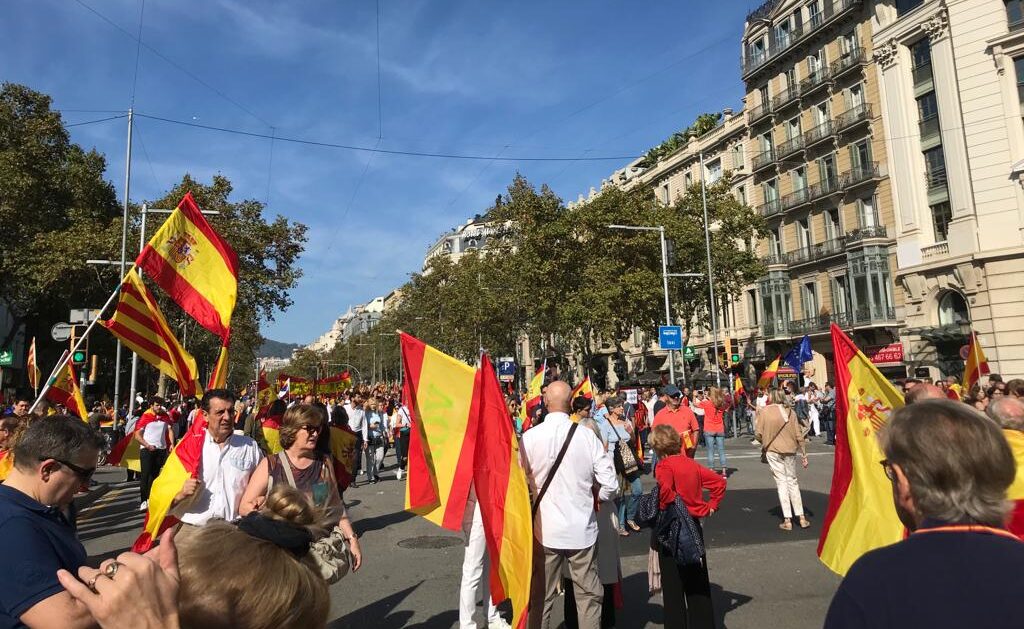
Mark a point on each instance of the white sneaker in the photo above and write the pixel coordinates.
(498, 624)
(398, 474)
(144, 506)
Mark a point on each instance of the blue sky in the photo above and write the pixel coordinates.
(516, 79)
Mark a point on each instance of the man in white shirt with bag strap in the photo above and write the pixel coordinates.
(564, 466)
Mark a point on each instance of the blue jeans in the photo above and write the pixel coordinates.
(627, 503)
(715, 440)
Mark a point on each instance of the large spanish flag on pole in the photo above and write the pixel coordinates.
(976, 364)
(503, 496)
(861, 516)
(195, 266)
(63, 389)
(182, 464)
(438, 391)
(583, 389)
(140, 325)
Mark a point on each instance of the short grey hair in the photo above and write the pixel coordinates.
(54, 437)
(956, 460)
(1008, 412)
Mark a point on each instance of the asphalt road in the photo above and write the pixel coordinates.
(761, 576)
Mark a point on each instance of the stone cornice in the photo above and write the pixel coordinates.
(887, 54)
(937, 26)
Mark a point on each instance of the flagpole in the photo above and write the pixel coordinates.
(124, 253)
(35, 366)
(135, 357)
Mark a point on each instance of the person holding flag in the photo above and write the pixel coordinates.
(154, 434)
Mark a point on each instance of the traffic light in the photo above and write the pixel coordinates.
(78, 356)
(732, 352)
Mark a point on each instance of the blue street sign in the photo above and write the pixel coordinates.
(506, 369)
(670, 336)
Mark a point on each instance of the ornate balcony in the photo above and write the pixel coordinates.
(762, 160)
(786, 97)
(861, 317)
(776, 328)
(853, 59)
(820, 251)
(771, 208)
(937, 250)
(775, 259)
(853, 116)
(791, 146)
(866, 233)
(820, 133)
(818, 78)
(873, 315)
(825, 187)
(860, 174)
(794, 199)
(759, 111)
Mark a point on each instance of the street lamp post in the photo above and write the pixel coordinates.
(711, 283)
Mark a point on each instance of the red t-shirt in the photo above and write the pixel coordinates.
(714, 418)
(683, 420)
(681, 475)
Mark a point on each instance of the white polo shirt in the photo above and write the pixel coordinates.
(226, 469)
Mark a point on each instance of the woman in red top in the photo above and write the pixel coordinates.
(686, 590)
(714, 426)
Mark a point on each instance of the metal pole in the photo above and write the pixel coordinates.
(668, 313)
(711, 282)
(135, 357)
(732, 394)
(124, 252)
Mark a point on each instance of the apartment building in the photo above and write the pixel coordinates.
(952, 84)
(820, 175)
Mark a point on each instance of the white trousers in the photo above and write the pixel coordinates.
(813, 415)
(784, 470)
(475, 575)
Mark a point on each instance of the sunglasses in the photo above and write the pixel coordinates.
(85, 473)
(311, 429)
(888, 469)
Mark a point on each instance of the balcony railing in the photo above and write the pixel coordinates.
(814, 80)
(935, 251)
(864, 315)
(936, 179)
(852, 59)
(763, 159)
(821, 132)
(791, 146)
(779, 45)
(778, 327)
(864, 233)
(760, 111)
(922, 73)
(775, 259)
(770, 208)
(860, 173)
(825, 187)
(785, 97)
(795, 198)
(819, 251)
(929, 126)
(852, 116)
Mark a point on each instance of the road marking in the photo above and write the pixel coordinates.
(99, 504)
(758, 455)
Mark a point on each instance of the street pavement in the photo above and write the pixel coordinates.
(761, 576)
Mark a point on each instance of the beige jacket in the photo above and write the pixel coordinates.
(772, 419)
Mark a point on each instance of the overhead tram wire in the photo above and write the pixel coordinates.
(138, 54)
(87, 122)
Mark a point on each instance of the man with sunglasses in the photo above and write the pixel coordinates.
(54, 457)
(679, 417)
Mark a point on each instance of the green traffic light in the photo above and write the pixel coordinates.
(78, 357)
(735, 358)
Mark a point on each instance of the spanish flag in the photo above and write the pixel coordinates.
(343, 451)
(126, 453)
(219, 375)
(265, 394)
(533, 395)
(6, 463)
(1015, 494)
(32, 366)
(861, 516)
(503, 496)
(195, 266)
(271, 427)
(583, 389)
(439, 394)
(140, 325)
(182, 464)
(976, 364)
(738, 388)
(769, 374)
(63, 389)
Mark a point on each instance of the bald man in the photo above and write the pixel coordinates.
(923, 391)
(565, 524)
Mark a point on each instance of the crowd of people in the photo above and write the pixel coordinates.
(951, 458)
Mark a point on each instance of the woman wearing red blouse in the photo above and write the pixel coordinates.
(714, 426)
(686, 590)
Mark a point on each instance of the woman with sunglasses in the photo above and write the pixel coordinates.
(303, 467)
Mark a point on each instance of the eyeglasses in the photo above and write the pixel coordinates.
(85, 473)
(888, 469)
(311, 429)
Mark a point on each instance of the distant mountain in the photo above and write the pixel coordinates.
(277, 349)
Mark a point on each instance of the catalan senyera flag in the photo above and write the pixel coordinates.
(63, 389)
(140, 325)
(503, 496)
(182, 464)
(861, 516)
(582, 388)
(1015, 493)
(343, 451)
(769, 373)
(976, 364)
(438, 391)
(32, 366)
(195, 266)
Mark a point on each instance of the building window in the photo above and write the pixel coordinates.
(776, 302)
(935, 167)
(840, 295)
(942, 214)
(906, 6)
(1018, 66)
(855, 96)
(793, 128)
(866, 213)
(687, 180)
(848, 43)
(763, 91)
(921, 58)
(775, 241)
(1014, 14)
(860, 156)
(741, 195)
(766, 141)
(827, 169)
(714, 171)
(871, 297)
(737, 156)
(832, 227)
(798, 177)
(803, 233)
(815, 16)
(953, 309)
(821, 115)
(771, 191)
(809, 299)
(663, 193)
(791, 79)
(752, 314)
(816, 62)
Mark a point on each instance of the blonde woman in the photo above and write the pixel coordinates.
(780, 432)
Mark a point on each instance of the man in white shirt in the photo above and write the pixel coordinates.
(228, 462)
(357, 423)
(152, 432)
(565, 524)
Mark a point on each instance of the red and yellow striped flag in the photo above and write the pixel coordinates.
(182, 464)
(140, 325)
(63, 389)
(32, 366)
(271, 427)
(219, 375)
(438, 390)
(582, 388)
(265, 394)
(126, 453)
(861, 515)
(195, 266)
(533, 396)
(738, 388)
(769, 373)
(976, 364)
(503, 496)
(1015, 494)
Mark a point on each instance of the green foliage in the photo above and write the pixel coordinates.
(704, 123)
